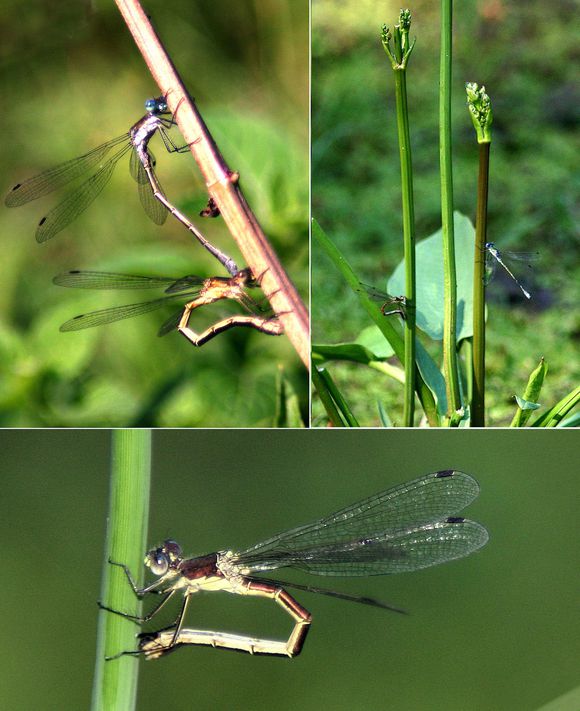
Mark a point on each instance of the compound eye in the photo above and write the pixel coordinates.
(172, 548)
(157, 561)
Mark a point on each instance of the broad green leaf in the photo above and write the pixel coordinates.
(430, 280)
(373, 340)
(341, 351)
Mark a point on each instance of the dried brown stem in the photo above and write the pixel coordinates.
(222, 184)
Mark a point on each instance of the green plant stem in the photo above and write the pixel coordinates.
(478, 397)
(409, 242)
(450, 279)
(115, 682)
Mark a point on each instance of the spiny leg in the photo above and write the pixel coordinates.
(170, 634)
(139, 593)
(153, 645)
(137, 618)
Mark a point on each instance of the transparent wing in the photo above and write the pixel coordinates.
(185, 283)
(528, 257)
(136, 167)
(60, 175)
(373, 292)
(490, 267)
(395, 303)
(78, 200)
(386, 516)
(153, 208)
(171, 323)
(110, 280)
(396, 551)
(116, 313)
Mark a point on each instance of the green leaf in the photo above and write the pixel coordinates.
(287, 404)
(341, 351)
(338, 410)
(273, 172)
(555, 415)
(573, 421)
(430, 280)
(570, 701)
(526, 405)
(383, 415)
(372, 339)
(433, 378)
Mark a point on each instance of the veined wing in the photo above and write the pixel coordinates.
(186, 283)
(77, 279)
(528, 257)
(395, 551)
(154, 209)
(54, 178)
(415, 504)
(116, 313)
(77, 200)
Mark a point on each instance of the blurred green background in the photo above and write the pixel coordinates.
(525, 54)
(72, 79)
(497, 631)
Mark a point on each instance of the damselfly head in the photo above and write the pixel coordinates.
(160, 560)
(157, 105)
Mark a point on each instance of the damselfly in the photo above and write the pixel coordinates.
(192, 289)
(405, 528)
(493, 257)
(136, 141)
(391, 304)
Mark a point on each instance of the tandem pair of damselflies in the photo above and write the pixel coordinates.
(192, 289)
(136, 141)
(405, 528)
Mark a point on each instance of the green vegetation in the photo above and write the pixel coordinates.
(115, 685)
(531, 193)
(74, 81)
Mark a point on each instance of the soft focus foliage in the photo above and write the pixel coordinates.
(73, 79)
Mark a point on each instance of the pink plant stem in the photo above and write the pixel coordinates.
(221, 183)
